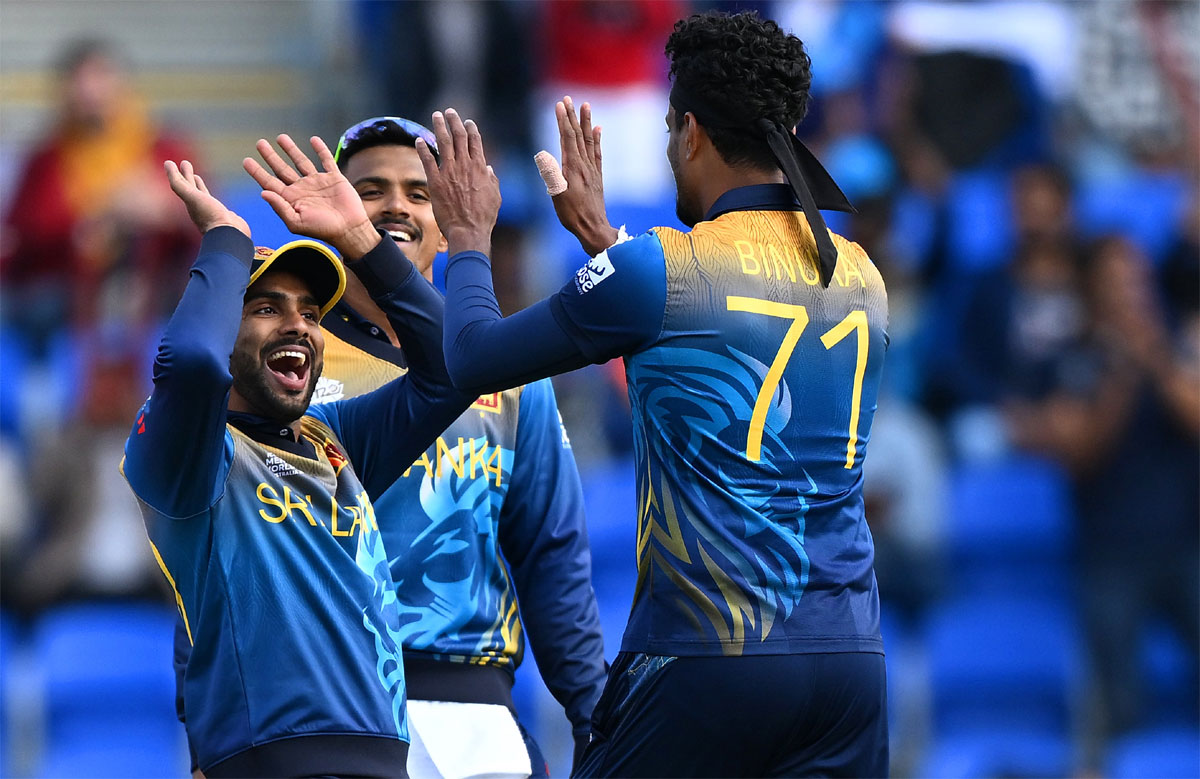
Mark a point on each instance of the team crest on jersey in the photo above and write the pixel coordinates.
(336, 458)
(597, 270)
(488, 403)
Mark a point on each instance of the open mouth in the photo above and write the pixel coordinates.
(289, 366)
(400, 232)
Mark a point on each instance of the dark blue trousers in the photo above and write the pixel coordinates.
(758, 715)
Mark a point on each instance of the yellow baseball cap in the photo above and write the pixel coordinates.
(312, 261)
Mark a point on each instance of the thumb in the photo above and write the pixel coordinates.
(551, 173)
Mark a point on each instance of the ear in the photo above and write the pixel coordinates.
(692, 133)
(443, 244)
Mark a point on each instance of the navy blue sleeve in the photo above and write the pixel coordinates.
(613, 306)
(543, 534)
(385, 430)
(176, 457)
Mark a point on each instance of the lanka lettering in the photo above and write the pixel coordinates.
(469, 457)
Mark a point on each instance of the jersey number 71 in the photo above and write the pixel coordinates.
(854, 322)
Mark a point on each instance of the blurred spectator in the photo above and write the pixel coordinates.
(93, 240)
(1125, 421)
(610, 54)
(1041, 195)
(473, 56)
(95, 252)
(1139, 81)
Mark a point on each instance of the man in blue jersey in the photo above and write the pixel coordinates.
(259, 522)
(498, 492)
(753, 345)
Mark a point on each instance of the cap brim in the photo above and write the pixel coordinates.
(313, 262)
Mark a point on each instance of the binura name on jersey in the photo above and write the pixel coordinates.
(340, 521)
(785, 262)
(597, 270)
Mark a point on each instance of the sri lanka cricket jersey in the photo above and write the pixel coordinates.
(752, 390)
(491, 511)
(271, 545)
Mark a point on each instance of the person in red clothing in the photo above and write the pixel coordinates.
(93, 249)
(612, 51)
(93, 236)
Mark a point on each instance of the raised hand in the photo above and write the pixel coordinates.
(464, 190)
(320, 203)
(580, 206)
(204, 209)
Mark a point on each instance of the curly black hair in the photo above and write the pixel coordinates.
(748, 66)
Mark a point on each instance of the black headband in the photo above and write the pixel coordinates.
(812, 184)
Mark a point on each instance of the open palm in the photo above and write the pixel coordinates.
(318, 203)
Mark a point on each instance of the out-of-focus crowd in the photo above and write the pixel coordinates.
(1026, 179)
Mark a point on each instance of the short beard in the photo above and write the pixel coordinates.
(250, 381)
(684, 211)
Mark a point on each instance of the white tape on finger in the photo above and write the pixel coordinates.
(551, 174)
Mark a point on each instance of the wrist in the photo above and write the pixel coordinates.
(468, 239)
(595, 237)
(357, 241)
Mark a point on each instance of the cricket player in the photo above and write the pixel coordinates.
(753, 346)
(485, 533)
(260, 524)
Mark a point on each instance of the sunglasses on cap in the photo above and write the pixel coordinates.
(382, 124)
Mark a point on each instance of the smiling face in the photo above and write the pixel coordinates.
(392, 184)
(278, 355)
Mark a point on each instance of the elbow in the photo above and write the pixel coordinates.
(466, 377)
(467, 363)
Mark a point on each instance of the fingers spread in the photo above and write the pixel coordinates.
(303, 164)
(275, 162)
(323, 153)
(261, 176)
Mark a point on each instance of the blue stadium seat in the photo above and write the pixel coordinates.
(1003, 663)
(109, 686)
(1010, 526)
(8, 646)
(1145, 206)
(1171, 681)
(1008, 754)
(1160, 753)
(980, 229)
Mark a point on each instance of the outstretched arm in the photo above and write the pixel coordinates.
(175, 457)
(591, 320)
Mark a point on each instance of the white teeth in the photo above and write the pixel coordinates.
(399, 235)
(289, 353)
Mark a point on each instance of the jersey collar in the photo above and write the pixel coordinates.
(756, 197)
(269, 432)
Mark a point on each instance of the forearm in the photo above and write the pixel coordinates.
(413, 307)
(486, 352)
(191, 383)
